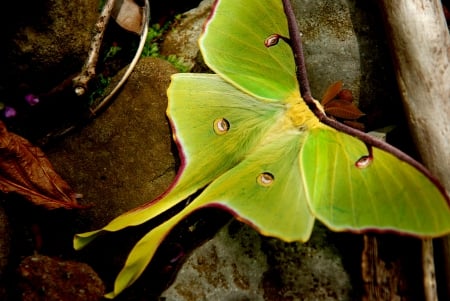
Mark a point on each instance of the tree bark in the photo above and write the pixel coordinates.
(421, 51)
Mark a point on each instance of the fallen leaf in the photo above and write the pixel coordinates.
(128, 15)
(343, 109)
(345, 94)
(338, 103)
(331, 93)
(355, 124)
(25, 170)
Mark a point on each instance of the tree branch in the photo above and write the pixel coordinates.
(420, 47)
(80, 83)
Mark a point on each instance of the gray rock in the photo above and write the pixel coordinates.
(52, 279)
(307, 271)
(330, 44)
(228, 267)
(343, 40)
(240, 264)
(47, 35)
(182, 39)
(123, 158)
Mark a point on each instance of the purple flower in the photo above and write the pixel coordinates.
(31, 99)
(9, 112)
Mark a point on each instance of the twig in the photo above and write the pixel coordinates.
(297, 49)
(130, 68)
(80, 83)
(420, 42)
(429, 274)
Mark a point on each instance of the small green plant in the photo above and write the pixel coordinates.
(155, 33)
(154, 38)
(99, 89)
(178, 62)
(101, 3)
(112, 52)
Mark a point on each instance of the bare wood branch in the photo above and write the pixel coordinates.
(80, 82)
(429, 274)
(421, 51)
(144, 22)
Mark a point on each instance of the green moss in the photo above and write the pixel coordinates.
(155, 36)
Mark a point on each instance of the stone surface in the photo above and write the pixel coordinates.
(123, 158)
(240, 264)
(228, 267)
(330, 44)
(182, 39)
(343, 40)
(51, 279)
(43, 36)
(308, 271)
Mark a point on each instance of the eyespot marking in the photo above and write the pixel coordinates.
(221, 126)
(271, 40)
(363, 162)
(265, 179)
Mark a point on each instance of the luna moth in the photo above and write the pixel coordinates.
(254, 142)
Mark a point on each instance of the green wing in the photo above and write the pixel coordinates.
(232, 45)
(262, 191)
(265, 190)
(235, 136)
(209, 149)
(197, 103)
(387, 195)
(142, 253)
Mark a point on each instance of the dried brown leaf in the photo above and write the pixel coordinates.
(355, 124)
(331, 93)
(128, 15)
(25, 170)
(345, 94)
(343, 109)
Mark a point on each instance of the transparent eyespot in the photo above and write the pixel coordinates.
(221, 126)
(271, 40)
(364, 161)
(265, 179)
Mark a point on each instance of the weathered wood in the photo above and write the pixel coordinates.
(80, 82)
(421, 50)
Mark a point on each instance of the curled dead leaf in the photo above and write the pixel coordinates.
(345, 94)
(331, 93)
(338, 103)
(25, 170)
(128, 15)
(343, 109)
(355, 124)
